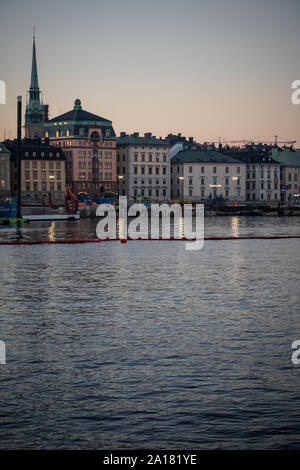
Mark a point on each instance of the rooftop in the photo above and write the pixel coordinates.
(136, 139)
(287, 157)
(78, 114)
(202, 156)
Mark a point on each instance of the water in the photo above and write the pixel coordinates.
(146, 345)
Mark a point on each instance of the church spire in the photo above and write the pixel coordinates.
(34, 115)
(34, 83)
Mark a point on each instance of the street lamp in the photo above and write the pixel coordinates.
(120, 177)
(181, 178)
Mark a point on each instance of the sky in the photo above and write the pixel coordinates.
(206, 68)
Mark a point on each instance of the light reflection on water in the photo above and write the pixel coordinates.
(146, 345)
(214, 226)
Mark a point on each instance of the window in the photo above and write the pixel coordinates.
(227, 180)
(202, 181)
(164, 157)
(150, 170)
(58, 175)
(51, 186)
(27, 175)
(164, 170)
(190, 169)
(238, 169)
(143, 157)
(26, 163)
(34, 175)
(142, 170)
(58, 186)
(135, 157)
(34, 164)
(43, 175)
(35, 187)
(135, 170)
(215, 169)
(226, 169)
(202, 169)
(150, 157)
(27, 186)
(157, 170)
(190, 192)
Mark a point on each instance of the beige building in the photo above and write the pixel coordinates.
(143, 167)
(207, 174)
(43, 172)
(4, 171)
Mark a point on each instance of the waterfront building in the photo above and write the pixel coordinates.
(143, 167)
(89, 142)
(262, 174)
(42, 171)
(4, 171)
(207, 174)
(36, 112)
(289, 161)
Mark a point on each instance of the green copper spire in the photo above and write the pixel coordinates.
(34, 115)
(34, 92)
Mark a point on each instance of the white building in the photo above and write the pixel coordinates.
(207, 174)
(143, 167)
(262, 175)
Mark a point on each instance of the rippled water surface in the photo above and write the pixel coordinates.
(146, 345)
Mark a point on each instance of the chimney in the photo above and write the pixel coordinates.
(135, 134)
(191, 140)
(148, 135)
(123, 134)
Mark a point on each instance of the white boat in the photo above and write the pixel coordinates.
(41, 217)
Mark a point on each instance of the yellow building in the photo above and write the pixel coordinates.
(43, 172)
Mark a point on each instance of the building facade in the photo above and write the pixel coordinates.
(202, 174)
(289, 161)
(143, 167)
(43, 177)
(262, 175)
(35, 111)
(4, 171)
(89, 143)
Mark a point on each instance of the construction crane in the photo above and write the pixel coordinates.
(289, 142)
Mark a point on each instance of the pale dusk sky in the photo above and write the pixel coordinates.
(205, 68)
